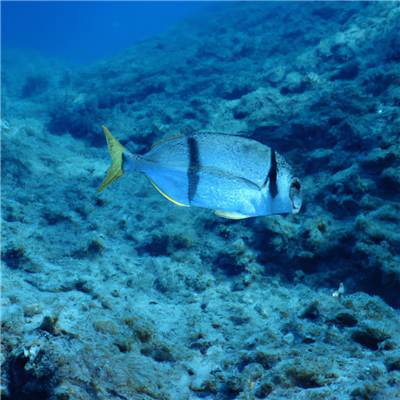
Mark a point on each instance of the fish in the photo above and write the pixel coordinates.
(237, 177)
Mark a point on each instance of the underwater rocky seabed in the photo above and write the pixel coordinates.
(131, 297)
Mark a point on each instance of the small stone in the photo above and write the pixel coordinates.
(289, 338)
(390, 179)
(306, 254)
(32, 309)
(105, 327)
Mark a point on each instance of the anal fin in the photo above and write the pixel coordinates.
(169, 198)
(230, 215)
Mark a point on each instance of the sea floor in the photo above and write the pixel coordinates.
(125, 295)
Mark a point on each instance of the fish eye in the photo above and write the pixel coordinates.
(295, 184)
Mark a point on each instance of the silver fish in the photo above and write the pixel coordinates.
(235, 176)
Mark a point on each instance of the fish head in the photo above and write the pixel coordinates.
(295, 195)
(285, 197)
(288, 198)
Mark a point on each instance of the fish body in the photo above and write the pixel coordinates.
(238, 177)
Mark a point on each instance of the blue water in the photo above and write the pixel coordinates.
(82, 32)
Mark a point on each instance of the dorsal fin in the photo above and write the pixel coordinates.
(166, 140)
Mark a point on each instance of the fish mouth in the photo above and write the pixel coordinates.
(295, 195)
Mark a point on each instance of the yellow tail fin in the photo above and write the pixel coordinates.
(116, 150)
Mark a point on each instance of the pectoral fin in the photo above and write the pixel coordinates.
(230, 215)
(116, 152)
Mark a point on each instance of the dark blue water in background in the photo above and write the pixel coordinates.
(82, 32)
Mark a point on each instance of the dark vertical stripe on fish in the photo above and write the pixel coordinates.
(273, 188)
(193, 169)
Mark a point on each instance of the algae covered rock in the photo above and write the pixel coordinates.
(126, 295)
